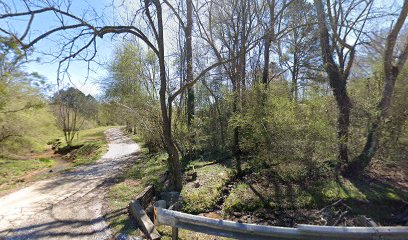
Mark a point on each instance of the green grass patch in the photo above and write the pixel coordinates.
(250, 197)
(12, 171)
(212, 178)
(88, 135)
(88, 147)
(136, 138)
(89, 152)
(118, 197)
(92, 134)
(241, 198)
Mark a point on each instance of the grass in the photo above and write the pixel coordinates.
(92, 145)
(148, 169)
(250, 197)
(89, 152)
(212, 177)
(118, 199)
(13, 172)
(92, 134)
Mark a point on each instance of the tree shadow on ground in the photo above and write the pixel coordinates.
(60, 228)
(279, 202)
(384, 203)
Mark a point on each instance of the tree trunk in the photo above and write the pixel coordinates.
(189, 60)
(373, 135)
(343, 121)
(269, 36)
(173, 160)
(294, 88)
(338, 83)
(235, 144)
(265, 73)
(392, 69)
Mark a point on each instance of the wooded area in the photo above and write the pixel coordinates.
(268, 86)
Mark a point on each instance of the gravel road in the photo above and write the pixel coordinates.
(68, 206)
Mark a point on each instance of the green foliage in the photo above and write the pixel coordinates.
(29, 130)
(208, 132)
(26, 123)
(25, 120)
(281, 131)
(366, 93)
(395, 141)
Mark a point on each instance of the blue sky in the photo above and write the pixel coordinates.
(79, 70)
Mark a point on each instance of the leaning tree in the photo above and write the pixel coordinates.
(393, 62)
(341, 25)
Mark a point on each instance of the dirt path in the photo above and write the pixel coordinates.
(70, 205)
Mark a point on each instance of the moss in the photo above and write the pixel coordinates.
(247, 197)
(343, 189)
(212, 178)
(242, 198)
(356, 190)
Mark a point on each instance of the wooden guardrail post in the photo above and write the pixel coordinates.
(136, 208)
(175, 230)
(143, 220)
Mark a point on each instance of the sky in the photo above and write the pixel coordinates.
(78, 71)
(80, 77)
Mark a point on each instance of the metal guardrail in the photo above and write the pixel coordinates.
(237, 230)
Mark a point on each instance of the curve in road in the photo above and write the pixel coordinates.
(70, 205)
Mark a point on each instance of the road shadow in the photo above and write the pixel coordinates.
(60, 228)
(98, 172)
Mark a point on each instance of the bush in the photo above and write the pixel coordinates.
(283, 131)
